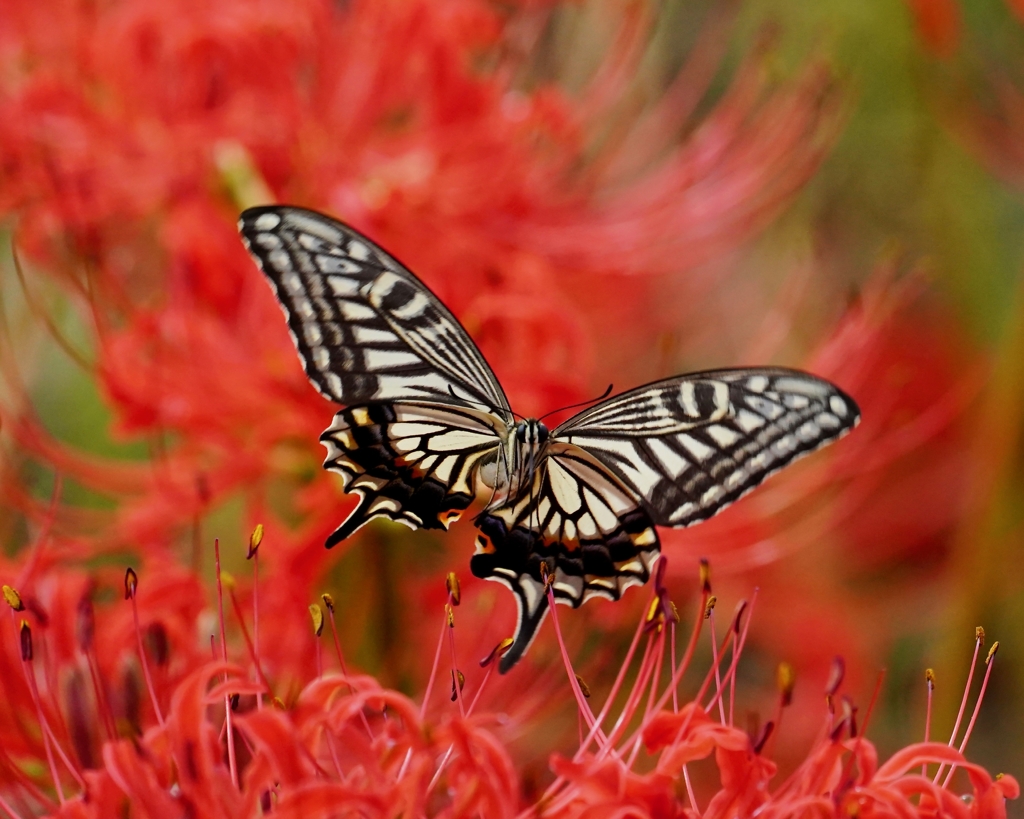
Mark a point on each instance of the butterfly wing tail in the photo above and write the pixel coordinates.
(358, 517)
(533, 608)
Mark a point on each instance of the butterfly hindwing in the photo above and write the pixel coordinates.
(412, 463)
(367, 330)
(576, 525)
(692, 445)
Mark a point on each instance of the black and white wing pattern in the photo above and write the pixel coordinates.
(689, 446)
(672, 453)
(576, 526)
(413, 463)
(367, 330)
(423, 407)
(426, 428)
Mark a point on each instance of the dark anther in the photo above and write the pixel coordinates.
(85, 622)
(26, 641)
(131, 583)
(462, 683)
(157, 642)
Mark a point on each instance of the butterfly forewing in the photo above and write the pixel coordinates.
(365, 327)
(661, 408)
(692, 445)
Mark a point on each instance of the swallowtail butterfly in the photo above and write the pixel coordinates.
(426, 428)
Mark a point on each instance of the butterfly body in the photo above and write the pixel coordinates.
(426, 428)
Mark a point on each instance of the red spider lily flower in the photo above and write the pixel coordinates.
(345, 743)
(88, 669)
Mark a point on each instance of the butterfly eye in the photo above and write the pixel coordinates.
(521, 432)
(542, 433)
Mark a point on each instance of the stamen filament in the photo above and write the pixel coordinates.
(250, 647)
(979, 639)
(255, 647)
(930, 682)
(652, 691)
(714, 662)
(46, 733)
(430, 682)
(844, 780)
(131, 588)
(689, 788)
(629, 708)
(337, 642)
(989, 663)
(232, 765)
(610, 699)
(581, 701)
(455, 667)
(329, 603)
(8, 809)
(451, 748)
(437, 660)
(102, 705)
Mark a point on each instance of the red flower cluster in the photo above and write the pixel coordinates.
(212, 741)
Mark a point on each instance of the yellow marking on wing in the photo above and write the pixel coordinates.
(360, 416)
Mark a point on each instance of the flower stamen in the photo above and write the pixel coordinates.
(457, 677)
(255, 539)
(710, 617)
(979, 641)
(25, 649)
(251, 647)
(131, 586)
(990, 657)
(317, 614)
(929, 676)
(86, 629)
(581, 701)
(616, 685)
(232, 764)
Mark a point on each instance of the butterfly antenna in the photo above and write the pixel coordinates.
(481, 404)
(601, 397)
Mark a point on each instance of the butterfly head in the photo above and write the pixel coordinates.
(527, 452)
(531, 433)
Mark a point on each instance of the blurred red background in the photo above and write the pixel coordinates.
(601, 192)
